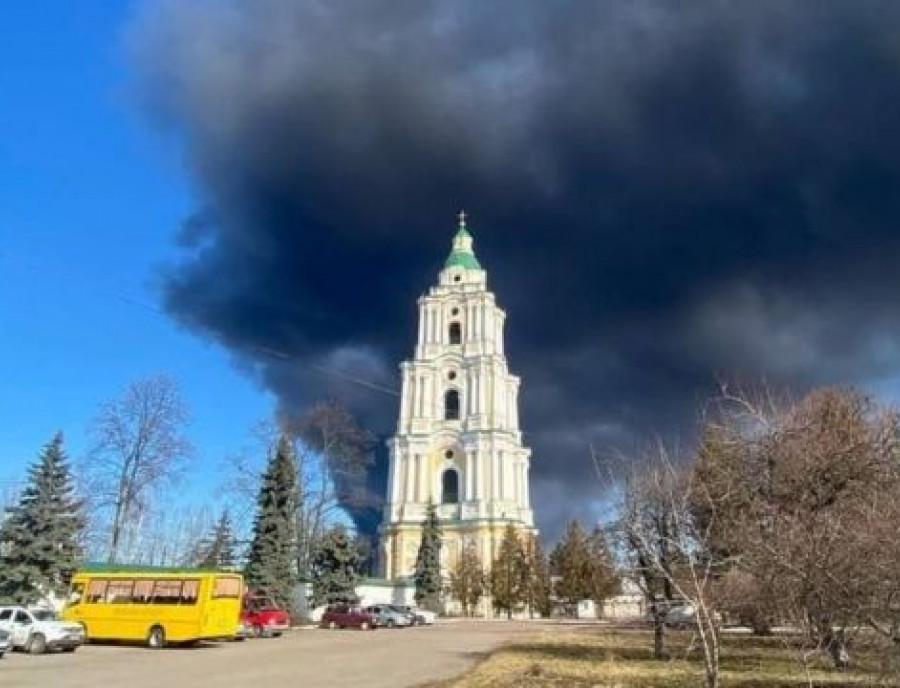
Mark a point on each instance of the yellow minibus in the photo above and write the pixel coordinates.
(155, 605)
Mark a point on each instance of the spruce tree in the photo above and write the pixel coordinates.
(218, 551)
(40, 537)
(506, 573)
(270, 560)
(537, 588)
(583, 566)
(335, 569)
(428, 562)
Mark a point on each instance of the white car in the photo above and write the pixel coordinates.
(40, 630)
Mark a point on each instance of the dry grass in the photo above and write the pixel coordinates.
(591, 658)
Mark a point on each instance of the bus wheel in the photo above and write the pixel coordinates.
(156, 638)
(37, 645)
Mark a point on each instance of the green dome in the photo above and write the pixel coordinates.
(462, 255)
(461, 259)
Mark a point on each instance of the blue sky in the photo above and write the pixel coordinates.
(91, 197)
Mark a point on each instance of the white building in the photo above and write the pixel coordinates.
(458, 442)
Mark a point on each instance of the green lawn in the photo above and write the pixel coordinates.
(591, 658)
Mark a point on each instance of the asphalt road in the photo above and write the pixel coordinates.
(308, 658)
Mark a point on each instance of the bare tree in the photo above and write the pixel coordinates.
(138, 445)
(807, 497)
(333, 457)
(669, 549)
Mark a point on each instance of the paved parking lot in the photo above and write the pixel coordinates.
(374, 659)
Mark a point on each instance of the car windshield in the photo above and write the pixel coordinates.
(45, 615)
(262, 604)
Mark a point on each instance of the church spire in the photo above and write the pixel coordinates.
(462, 254)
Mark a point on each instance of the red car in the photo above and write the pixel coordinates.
(345, 616)
(263, 616)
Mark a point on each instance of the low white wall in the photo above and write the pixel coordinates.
(369, 592)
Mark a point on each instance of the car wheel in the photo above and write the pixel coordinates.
(257, 631)
(37, 644)
(70, 650)
(391, 623)
(156, 638)
(276, 634)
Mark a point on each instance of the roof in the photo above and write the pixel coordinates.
(97, 567)
(462, 255)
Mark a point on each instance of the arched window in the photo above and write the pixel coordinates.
(455, 333)
(451, 405)
(450, 487)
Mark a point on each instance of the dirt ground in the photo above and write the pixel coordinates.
(309, 658)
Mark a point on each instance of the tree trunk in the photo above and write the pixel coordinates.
(835, 643)
(659, 636)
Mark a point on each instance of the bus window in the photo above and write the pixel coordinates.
(227, 586)
(167, 592)
(96, 591)
(143, 591)
(119, 591)
(189, 592)
(76, 594)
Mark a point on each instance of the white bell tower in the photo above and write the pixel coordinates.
(458, 442)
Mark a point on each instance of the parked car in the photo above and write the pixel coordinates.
(40, 630)
(5, 642)
(344, 616)
(423, 616)
(408, 613)
(388, 617)
(263, 616)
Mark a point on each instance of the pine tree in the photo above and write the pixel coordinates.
(270, 561)
(537, 588)
(335, 569)
(604, 578)
(467, 583)
(218, 551)
(506, 573)
(583, 567)
(428, 562)
(40, 537)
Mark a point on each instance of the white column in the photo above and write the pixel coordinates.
(423, 490)
(476, 475)
(421, 339)
(404, 400)
(393, 479)
(484, 323)
(482, 396)
(409, 463)
(495, 476)
(420, 385)
(470, 478)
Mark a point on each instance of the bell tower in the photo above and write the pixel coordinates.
(458, 442)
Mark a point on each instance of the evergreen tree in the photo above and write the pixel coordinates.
(467, 583)
(40, 537)
(583, 567)
(506, 573)
(270, 561)
(428, 562)
(605, 581)
(335, 568)
(218, 550)
(537, 587)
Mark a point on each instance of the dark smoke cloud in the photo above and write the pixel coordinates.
(663, 193)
